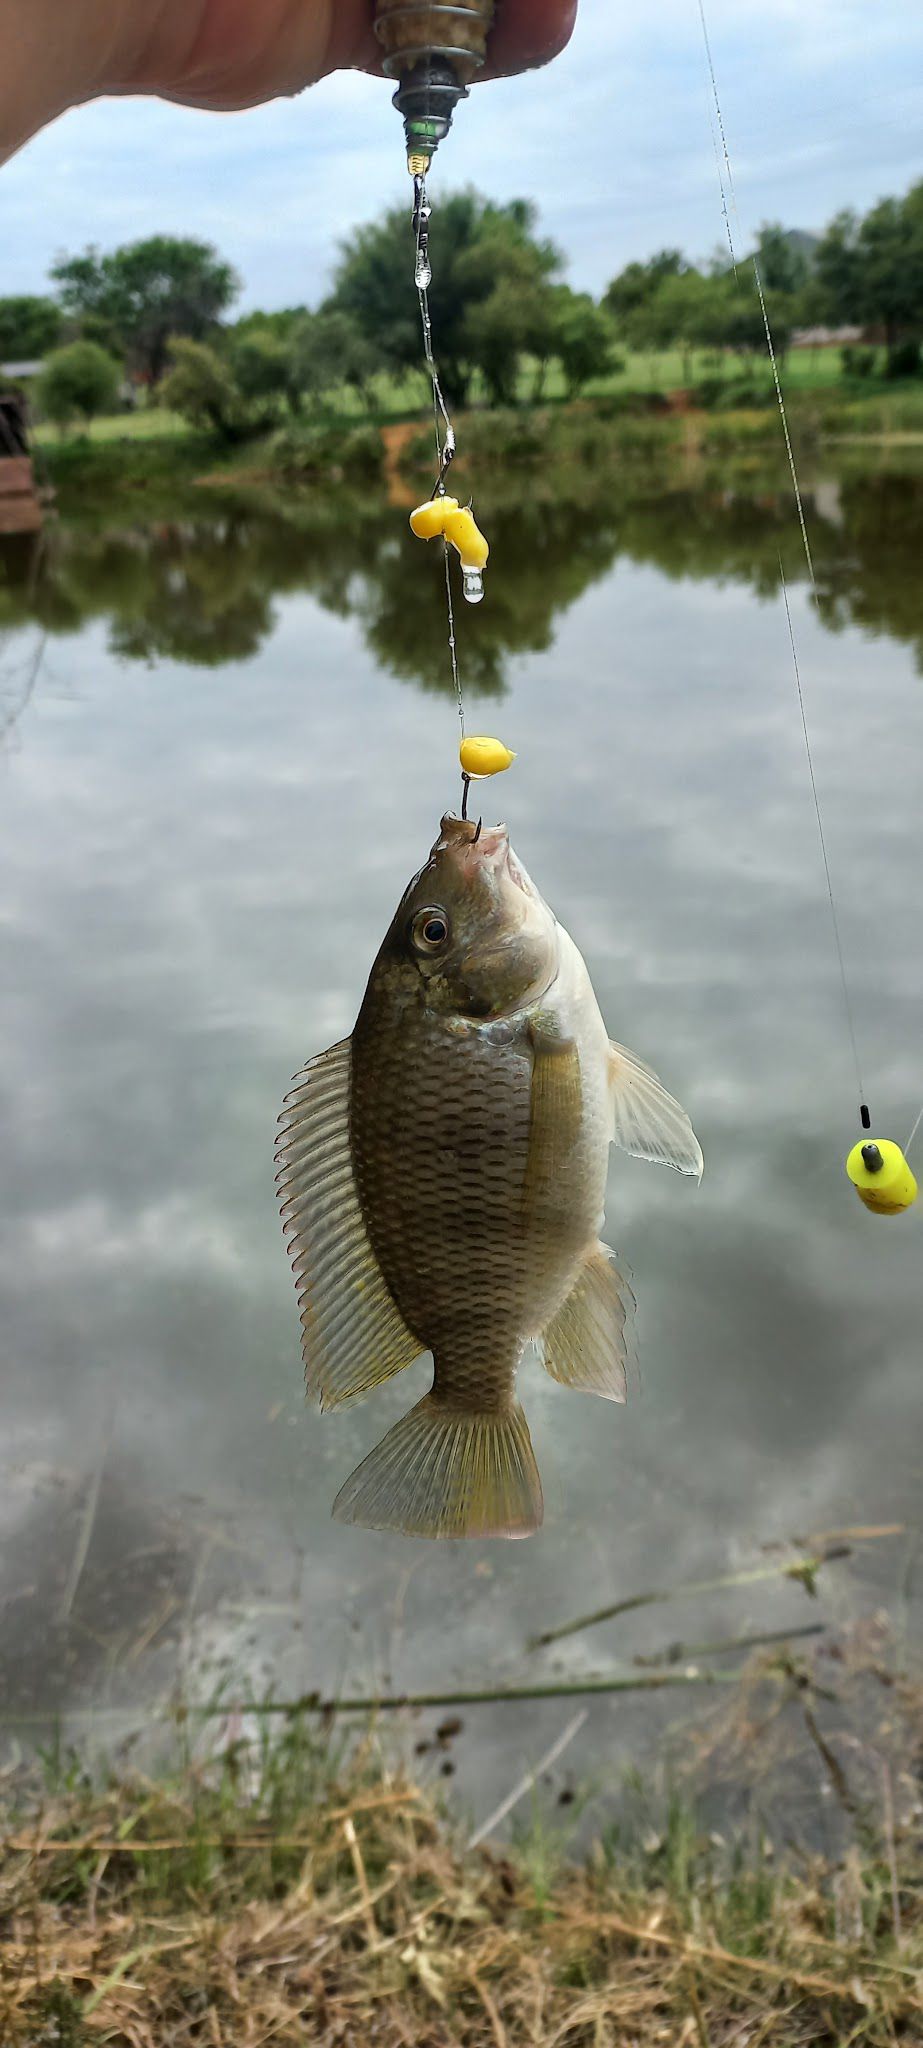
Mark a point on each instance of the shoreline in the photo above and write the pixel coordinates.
(302, 1891)
(398, 452)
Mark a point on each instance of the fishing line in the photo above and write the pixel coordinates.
(762, 297)
(724, 204)
(865, 1117)
(445, 447)
(714, 144)
(823, 842)
(913, 1133)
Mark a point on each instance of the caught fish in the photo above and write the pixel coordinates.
(442, 1178)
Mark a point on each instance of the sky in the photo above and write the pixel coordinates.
(822, 102)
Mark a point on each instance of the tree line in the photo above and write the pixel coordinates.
(863, 272)
(158, 312)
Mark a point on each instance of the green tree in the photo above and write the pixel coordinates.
(871, 270)
(628, 297)
(497, 332)
(582, 338)
(328, 349)
(719, 311)
(730, 315)
(783, 264)
(79, 379)
(201, 386)
(475, 247)
(29, 327)
(281, 323)
(675, 315)
(148, 292)
(261, 365)
(509, 313)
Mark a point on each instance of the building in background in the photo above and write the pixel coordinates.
(20, 504)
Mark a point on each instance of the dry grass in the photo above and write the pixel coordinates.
(290, 1892)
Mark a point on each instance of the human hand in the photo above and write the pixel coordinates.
(214, 53)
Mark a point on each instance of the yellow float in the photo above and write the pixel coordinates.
(881, 1177)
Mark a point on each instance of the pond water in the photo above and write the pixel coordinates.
(215, 781)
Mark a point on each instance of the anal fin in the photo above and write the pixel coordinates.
(590, 1343)
(442, 1472)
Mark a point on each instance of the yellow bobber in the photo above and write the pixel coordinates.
(881, 1176)
(429, 520)
(482, 757)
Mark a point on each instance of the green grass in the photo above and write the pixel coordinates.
(301, 1890)
(660, 370)
(149, 423)
(393, 398)
(651, 371)
(133, 452)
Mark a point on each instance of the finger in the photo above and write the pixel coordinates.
(529, 32)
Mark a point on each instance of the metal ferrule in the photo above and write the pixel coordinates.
(435, 48)
(410, 29)
(427, 98)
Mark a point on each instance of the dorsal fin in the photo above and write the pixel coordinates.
(353, 1336)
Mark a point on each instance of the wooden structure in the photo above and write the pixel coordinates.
(20, 504)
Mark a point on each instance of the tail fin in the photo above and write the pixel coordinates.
(439, 1472)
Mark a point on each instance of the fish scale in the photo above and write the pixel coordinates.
(440, 1141)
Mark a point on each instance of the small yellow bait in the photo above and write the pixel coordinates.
(482, 757)
(881, 1177)
(428, 521)
(462, 529)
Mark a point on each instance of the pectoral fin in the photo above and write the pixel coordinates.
(646, 1121)
(590, 1342)
(353, 1336)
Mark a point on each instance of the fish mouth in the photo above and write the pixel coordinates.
(517, 874)
(479, 842)
(515, 934)
(487, 846)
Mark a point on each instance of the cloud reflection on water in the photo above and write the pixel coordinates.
(200, 858)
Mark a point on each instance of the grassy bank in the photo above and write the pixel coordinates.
(129, 465)
(137, 472)
(294, 1890)
(340, 1908)
(655, 372)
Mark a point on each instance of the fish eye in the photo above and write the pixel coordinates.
(430, 930)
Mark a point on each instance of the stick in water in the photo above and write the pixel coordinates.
(805, 1569)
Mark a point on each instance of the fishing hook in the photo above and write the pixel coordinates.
(466, 785)
(446, 461)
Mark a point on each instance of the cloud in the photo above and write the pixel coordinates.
(821, 100)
